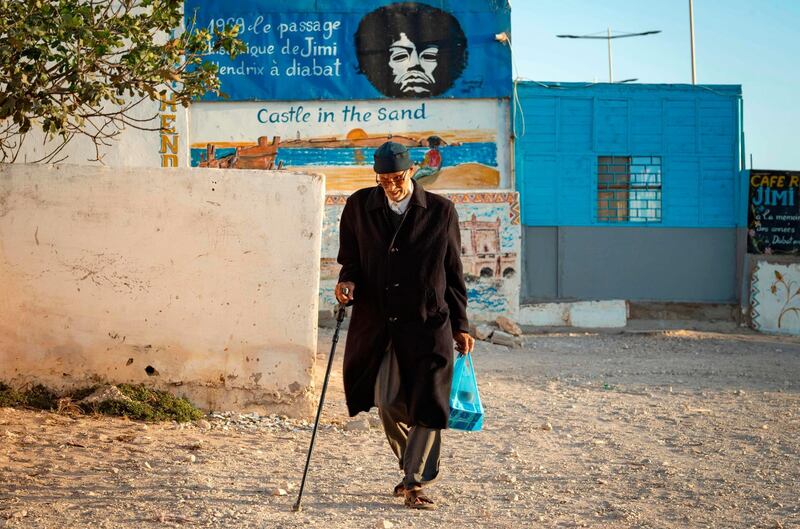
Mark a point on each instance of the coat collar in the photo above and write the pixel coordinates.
(377, 198)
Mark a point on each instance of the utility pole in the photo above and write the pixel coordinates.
(608, 36)
(610, 62)
(691, 31)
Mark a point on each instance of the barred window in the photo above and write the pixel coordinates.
(629, 189)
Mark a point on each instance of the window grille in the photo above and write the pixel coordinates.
(629, 189)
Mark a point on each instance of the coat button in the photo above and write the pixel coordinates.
(392, 319)
(396, 285)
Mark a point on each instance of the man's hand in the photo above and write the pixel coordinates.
(464, 342)
(340, 295)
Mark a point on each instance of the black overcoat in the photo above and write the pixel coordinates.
(409, 288)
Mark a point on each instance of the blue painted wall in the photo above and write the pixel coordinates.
(562, 128)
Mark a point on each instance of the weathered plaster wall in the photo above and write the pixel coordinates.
(208, 277)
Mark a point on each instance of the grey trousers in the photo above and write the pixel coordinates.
(417, 447)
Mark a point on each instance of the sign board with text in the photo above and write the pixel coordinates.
(774, 212)
(308, 50)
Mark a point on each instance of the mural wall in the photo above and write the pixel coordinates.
(300, 50)
(320, 89)
(490, 250)
(775, 297)
(457, 145)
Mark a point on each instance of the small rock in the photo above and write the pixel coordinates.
(383, 524)
(739, 392)
(509, 326)
(375, 422)
(547, 427)
(503, 338)
(104, 394)
(19, 514)
(483, 332)
(191, 458)
(507, 478)
(114, 470)
(279, 492)
(147, 466)
(203, 424)
(357, 425)
(29, 440)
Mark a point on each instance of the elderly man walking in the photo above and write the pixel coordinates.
(400, 253)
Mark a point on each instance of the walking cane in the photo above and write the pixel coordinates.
(339, 318)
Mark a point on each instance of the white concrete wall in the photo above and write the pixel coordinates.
(607, 314)
(211, 277)
(162, 143)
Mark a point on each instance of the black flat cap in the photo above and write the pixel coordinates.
(391, 157)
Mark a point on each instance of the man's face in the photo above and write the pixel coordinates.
(413, 68)
(395, 185)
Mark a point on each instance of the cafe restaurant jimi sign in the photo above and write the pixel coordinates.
(774, 212)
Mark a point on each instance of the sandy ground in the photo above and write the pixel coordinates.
(673, 429)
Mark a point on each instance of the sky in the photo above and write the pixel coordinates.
(753, 43)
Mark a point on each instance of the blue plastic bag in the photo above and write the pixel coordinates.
(466, 410)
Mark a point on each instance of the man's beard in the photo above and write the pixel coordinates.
(415, 81)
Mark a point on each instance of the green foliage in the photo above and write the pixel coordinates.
(154, 405)
(41, 398)
(145, 404)
(78, 67)
(9, 397)
(37, 396)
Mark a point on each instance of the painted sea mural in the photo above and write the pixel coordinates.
(455, 145)
(459, 149)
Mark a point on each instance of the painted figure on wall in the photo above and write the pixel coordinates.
(431, 164)
(411, 50)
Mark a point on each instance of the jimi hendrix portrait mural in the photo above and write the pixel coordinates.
(411, 50)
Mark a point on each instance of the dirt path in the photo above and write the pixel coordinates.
(677, 429)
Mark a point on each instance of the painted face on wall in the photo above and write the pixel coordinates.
(408, 49)
(412, 67)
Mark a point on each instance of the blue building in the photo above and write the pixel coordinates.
(631, 191)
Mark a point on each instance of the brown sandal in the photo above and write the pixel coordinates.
(399, 490)
(416, 499)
